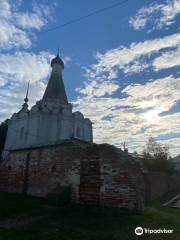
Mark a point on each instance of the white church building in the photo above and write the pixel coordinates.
(51, 120)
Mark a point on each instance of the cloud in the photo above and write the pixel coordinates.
(156, 15)
(24, 66)
(12, 97)
(36, 19)
(16, 71)
(135, 115)
(131, 59)
(167, 60)
(98, 90)
(15, 25)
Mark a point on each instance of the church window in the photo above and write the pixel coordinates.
(78, 132)
(21, 133)
(9, 168)
(53, 169)
(25, 137)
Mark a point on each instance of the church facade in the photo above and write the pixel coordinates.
(50, 120)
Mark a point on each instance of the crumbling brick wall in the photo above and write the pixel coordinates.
(122, 183)
(98, 174)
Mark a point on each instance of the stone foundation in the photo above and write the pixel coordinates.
(100, 175)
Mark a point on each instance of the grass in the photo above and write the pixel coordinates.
(82, 223)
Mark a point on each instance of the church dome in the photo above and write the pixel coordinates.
(57, 60)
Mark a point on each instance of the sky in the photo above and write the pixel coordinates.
(122, 65)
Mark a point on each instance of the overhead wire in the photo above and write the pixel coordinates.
(96, 12)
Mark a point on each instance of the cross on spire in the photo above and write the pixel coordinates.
(58, 51)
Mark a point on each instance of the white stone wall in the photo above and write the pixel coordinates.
(45, 124)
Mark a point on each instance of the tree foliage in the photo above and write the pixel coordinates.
(156, 157)
(3, 132)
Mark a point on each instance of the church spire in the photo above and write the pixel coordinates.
(25, 105)
(55, 89)
(27, 92)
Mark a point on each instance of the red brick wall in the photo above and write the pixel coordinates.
(90, 182)
(48, 168)
(98, 174)
(122, 182)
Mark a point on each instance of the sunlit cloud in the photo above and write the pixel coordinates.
(136, 116)
(168, 59)
(15, 73)
(16, 26)
(156, 15)
(132, 59)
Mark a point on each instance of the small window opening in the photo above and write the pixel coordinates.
(78, 132)
(53, 169)
(9, 168)
(21, 133)
(25, 137)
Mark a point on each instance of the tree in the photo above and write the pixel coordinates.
(156, 157)
(3, 132)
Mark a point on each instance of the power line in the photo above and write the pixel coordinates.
(86, 16)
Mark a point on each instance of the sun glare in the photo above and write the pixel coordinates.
(152, 116)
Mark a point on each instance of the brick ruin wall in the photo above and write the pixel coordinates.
(98, 174)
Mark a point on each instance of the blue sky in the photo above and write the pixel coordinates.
(121, 65)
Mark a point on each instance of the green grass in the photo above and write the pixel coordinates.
(82, 223)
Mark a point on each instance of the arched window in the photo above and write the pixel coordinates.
(53, 169)
(25, 137)
(9, 168)
(21, 133)
(78, 132)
